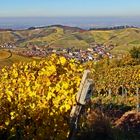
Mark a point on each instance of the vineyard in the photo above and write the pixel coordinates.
(36, 97)
(4, 55)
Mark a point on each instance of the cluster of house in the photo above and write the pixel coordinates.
(30, 53)
(102, 50)
(95, 52)
(33, 51)
(8, 46)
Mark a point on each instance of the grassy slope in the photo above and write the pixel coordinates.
(6, 36)
(71, 40)
(4, 54)
(14, 59)
(58, 32)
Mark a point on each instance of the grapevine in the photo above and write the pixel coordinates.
(36, 97)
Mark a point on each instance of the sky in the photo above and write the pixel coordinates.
(69, 8)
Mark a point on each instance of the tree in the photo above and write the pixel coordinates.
(135, 53)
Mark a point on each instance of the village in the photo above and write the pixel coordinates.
(95, 52)
(7, 46)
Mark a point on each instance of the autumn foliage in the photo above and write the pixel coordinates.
(36, 98)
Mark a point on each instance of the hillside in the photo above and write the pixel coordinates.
(124, 39)
(7, 58)
(59, 36)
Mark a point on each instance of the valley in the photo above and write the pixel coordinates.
(73, 42)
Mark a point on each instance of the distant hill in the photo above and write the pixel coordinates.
(59, 36)
(59, 26)
(5, 29)
(113, 28)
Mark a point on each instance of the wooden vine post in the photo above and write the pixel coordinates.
(138, 99)
(83, 96)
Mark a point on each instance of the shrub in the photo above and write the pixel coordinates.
(97, 127)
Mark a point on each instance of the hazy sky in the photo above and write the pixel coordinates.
(24, 8)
